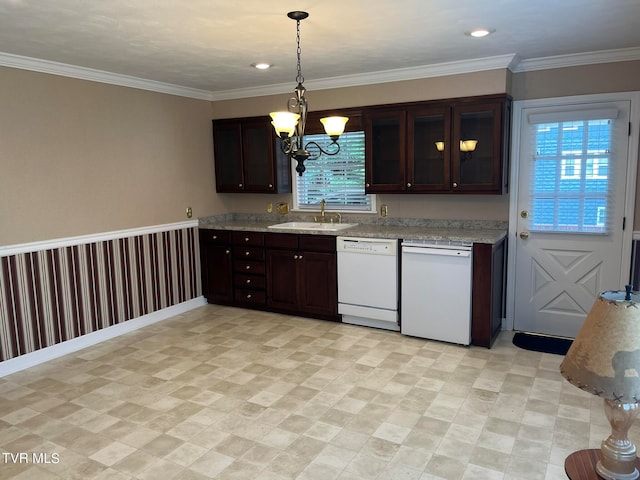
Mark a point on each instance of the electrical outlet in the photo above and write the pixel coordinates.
(269, 207)
(189, 212)
(384, 210)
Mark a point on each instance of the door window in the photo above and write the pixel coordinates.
(571, 176)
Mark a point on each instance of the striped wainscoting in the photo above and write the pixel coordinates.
(51, 295)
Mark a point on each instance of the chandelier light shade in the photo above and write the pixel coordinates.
(604, 360)
(290, 125)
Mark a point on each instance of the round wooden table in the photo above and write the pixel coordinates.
(581, 465)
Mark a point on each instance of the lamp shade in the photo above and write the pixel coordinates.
(468, 145)
(604, 358)
(334, 126)
(284, 122)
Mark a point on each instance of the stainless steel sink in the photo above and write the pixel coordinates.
(322, 227)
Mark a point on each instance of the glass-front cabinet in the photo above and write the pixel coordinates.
(247, 157)
(385, 140)
(477, 155)
(428, 150)
(448, 146)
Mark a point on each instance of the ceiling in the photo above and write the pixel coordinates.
(208, 46)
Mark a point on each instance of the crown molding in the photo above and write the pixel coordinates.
(510, 61)
(83, 73)
(577, 59)
(401, 74)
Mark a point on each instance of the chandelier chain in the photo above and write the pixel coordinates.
(299, 77)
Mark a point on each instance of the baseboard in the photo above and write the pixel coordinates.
(32, 359)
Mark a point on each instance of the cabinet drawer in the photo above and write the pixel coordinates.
(215, 236)
(254, 297)
(249, 281)
(248, 253)
(256, 268)
(248, 238)
(281, 240)
(318, 243)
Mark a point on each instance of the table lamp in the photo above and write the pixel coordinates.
(604, 360)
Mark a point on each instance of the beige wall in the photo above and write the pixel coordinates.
(591, 79)
(413, 206)
(582, 80)
(82, 157)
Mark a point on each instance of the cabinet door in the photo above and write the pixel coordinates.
(217, 280)
(477, 171)
(282, 268)
(227, 151)
(318, 284)
(429, 150)
(258, 156)
(385, 150)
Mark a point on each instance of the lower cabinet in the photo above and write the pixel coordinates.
(297, 274)
(489, 287)
(302, 275)
(248, 269)
(216, 266)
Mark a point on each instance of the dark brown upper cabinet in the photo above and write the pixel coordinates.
(416, 147)
(248, 158)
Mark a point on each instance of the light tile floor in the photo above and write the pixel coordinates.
(235, 394)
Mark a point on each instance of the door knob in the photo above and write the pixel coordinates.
(524, 235)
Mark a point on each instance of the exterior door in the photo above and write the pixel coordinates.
(570, 212)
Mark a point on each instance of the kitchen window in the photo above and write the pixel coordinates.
(338, 179)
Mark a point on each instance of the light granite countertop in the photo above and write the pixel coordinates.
(454, 231)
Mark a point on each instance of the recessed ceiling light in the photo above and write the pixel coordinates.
(479, 32)
(261, 65)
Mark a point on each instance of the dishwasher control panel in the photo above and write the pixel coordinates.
(370, 246)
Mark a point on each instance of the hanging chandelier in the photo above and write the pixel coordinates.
(290, 125)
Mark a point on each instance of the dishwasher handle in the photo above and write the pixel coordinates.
(450, 252)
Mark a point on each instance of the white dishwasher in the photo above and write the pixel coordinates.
(368, 281)
(436, 291)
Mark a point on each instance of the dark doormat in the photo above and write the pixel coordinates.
(542, 343)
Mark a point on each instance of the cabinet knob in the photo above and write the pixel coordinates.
(367, 185)
(409, 184)
(246, 254)
(271, 185)
(227, 251)
(295, 257)
(455, 184)
(299, 257)
(248, 295)
(246, 239)
(240, 185)
(248, 281)
(215, 237)
(248, 267)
